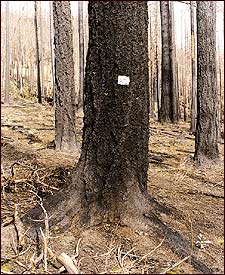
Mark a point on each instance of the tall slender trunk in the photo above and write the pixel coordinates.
(65, 109)
(173, 63)
(39, 92)
(52, 52)
(20, 62)
(42, 53)
(194, 72)
(7, 49)
(168, 111)
(81, 53)
(186, 80)
(206, 147)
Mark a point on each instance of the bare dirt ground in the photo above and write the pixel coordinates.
(190, 204)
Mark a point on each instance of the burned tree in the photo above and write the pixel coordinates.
(65, 133)
(81, 53)
(39, 92)
(206, 147)
(194, 74)
(110, 179)
(169, 99)
(7, 49)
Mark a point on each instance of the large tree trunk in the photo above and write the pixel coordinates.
(110, 180)
(169, 111)
(7, 56)
(194, 73)
(37, 53)
(65, 109)
(206, 147)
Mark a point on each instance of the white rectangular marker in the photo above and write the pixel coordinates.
(123, 80)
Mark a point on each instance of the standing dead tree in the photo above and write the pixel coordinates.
(194, 72)
(81, 53)
(206, 147)
(65, 106)
(7, 49)
(39, 92)
(169, 104)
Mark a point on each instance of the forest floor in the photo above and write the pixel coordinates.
(193, 197)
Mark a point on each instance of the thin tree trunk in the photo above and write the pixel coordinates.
(52, 52)
(81, 53)
(42, 54)
(39, 92)
(168, 112)
(7, 67)
(65, 110)
(186, 80)
(206, 147)
(194, 72)
(173, 64)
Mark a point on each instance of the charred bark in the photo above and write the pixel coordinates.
(169, 105)
(194, 72)
(65, 109)
(39, 93)
(81, 54)
(7, 56)
(206, 147)
(110, 180)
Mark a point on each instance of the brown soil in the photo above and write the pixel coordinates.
(188, 200)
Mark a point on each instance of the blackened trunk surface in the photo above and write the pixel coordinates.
(7, 55)
(206, 147)
(81, 53)
(110, 179)
(65, 137)
(116, 117)
(168, 111)
(194, 73)
(37, 53)
(174, 92)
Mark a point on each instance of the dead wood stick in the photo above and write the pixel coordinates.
(68, 263)
(19, 228)
(175, 265)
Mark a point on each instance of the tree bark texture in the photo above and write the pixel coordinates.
(65, 109)
(110, 180)
(206, 147)
(7, 67)
(116, 117)
(81, 53)
(52, 51)
(194, 72)
(173, 58)
(169, 110)
(42, 53)
(39, 96)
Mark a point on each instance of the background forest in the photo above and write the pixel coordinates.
(64, 126)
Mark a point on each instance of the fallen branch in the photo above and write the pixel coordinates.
(68, 263)
(19, 228)
(175, 265)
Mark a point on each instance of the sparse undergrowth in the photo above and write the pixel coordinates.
(189, 200)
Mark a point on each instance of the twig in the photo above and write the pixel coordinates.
(68, 263)
(46, 235)
(45, 249)
(175, 265)
(149, 253)
(19, 228)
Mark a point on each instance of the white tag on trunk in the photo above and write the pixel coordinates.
(123, 80)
